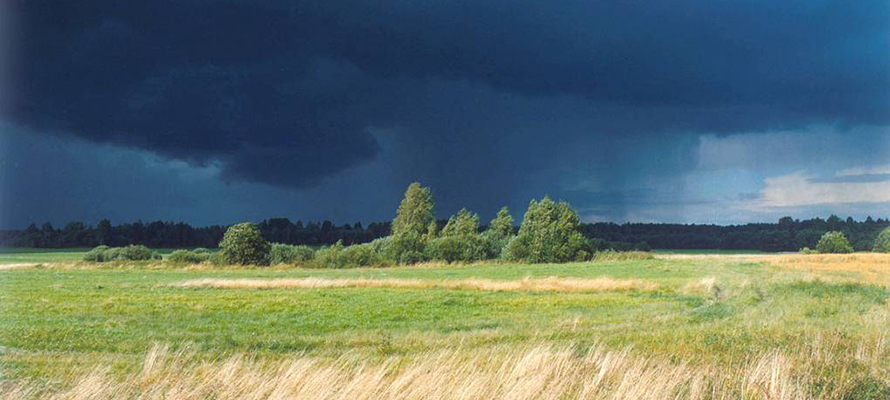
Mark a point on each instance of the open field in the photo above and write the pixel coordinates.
(679, 326)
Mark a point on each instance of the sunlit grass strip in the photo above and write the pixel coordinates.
(523, 372)
(551, 284)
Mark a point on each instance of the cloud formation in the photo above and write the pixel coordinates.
(289, 93)
(800, 189)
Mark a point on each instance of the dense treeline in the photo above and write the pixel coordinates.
(786, 235)
(160, 234)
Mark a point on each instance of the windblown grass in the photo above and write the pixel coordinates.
(550, 284)
(525, 372)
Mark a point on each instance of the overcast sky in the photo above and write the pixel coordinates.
(218, 111)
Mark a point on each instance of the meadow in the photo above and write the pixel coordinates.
(679, 326)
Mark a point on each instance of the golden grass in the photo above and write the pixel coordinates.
(868, 267)
(528, 372)
(14, 266)
(551, 284)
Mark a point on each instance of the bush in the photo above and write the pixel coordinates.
(495, 243)
(549, 233)
(362, 255)
(358, 255)
(329, 257)
(127, 253)
(461, 248)
(807, 250)
(136, 253)
(882, 242)
(834, 242)
(97, 254)
(244, 245)
(407, 248)
(289, 254)
(188, 257)
(201, 250)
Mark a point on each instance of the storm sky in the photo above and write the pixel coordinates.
(218, 111)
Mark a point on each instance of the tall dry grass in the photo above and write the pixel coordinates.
(871, 267)
(551, 284)
(532, 372)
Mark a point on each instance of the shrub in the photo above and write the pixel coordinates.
(834, 242)
(289, 254)
(127, 253)
(136, 253)
(329, 257)
(201, 250)
(495, 243)
(97, 254)
(243, 244)
(407, 248)
(549, 233)
(882, 242)
(361, 255)
(460, 248)
(188, 257)
(807, 250)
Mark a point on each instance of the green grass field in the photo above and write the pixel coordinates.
(59, 323)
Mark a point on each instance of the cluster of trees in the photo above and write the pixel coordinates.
(549, 233)
(786, 235)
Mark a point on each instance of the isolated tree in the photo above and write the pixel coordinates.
(882, 242)
(243, 244)
(413, 217)
(834, 242)
(549, 233)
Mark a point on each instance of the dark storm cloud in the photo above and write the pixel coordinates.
(286, 92)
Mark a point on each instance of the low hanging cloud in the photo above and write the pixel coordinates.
(801, 189)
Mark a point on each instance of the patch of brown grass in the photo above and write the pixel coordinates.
(526, 372)
(551, 284)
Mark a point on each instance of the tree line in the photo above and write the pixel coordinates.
(786, 235)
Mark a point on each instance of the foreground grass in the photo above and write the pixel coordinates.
(718, 327)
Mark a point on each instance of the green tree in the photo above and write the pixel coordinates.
(549, 233)
(502, 224)
(834, 242)
(882, 242)
(413, 217)
(463, 224)
(243, 244)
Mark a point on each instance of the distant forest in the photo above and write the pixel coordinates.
(785, 235)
